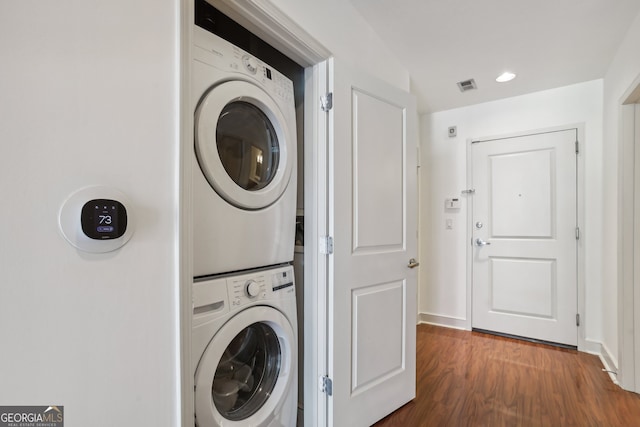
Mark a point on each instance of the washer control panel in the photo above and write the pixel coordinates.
(243, 290)
(253, 289)
(283, 280)
(262, 285)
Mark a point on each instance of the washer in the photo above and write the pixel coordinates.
(244, 346)
(244, 160)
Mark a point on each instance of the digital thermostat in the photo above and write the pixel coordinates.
(96, 219)
(103, 219)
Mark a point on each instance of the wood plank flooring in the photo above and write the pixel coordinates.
(473, 379)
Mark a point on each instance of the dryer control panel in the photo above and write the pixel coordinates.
(219, 53)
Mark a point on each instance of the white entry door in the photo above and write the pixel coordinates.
(373, 220)
(524, 236)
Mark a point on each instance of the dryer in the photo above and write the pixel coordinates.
(244, 160)
(244, 347)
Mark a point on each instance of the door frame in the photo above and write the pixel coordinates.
(629, 248)
(583, 344)
(276, 28)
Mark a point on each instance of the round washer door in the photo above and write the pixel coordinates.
(247, 370)
(244, 147)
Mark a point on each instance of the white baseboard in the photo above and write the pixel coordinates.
(609, 364)
(446, 321)
(591, 347)
(601, 350)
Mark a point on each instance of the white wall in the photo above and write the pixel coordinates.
(89, 96)
(344, 32)
(443, 288)
(623, 70)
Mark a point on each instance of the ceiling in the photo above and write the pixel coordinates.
(547, 43)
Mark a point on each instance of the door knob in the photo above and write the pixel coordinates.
(413, 263)
(480, 242)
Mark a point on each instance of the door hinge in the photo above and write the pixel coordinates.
(326, 102)
(326, 245)
(577, 147)
(577, 233)
(578, 319)
(326, 385)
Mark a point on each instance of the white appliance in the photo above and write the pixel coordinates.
(244, 170)
(244, 346)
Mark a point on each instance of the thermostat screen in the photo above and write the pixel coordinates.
(104, 219)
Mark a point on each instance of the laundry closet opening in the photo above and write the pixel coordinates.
(216, 22)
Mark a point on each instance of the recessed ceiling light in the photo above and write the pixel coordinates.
(505, 77)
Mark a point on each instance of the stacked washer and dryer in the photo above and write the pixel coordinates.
(244, 338)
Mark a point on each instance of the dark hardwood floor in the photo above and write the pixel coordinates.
(474, 379)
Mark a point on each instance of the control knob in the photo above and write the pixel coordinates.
(252, 288)
(250, 64)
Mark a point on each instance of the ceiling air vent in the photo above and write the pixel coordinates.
(467, 85)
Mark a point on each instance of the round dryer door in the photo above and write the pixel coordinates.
(243, 144)
(246, 372)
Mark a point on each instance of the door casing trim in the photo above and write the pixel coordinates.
(628, 248)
